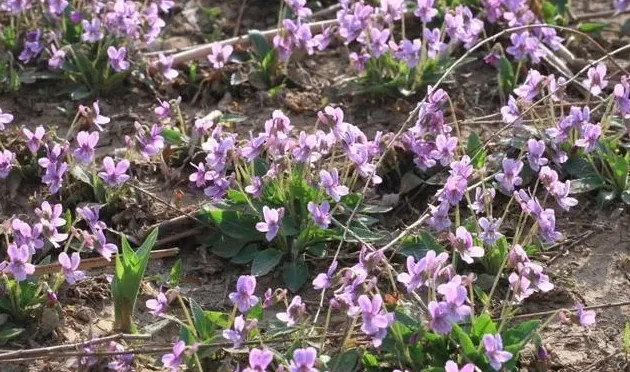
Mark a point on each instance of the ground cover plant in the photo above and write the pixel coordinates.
(422, 245)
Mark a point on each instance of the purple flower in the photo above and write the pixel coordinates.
(296, 311)
(255, 188)
(425, 10)
(490, 227)
(408, 51)
(24, 234)
(166, 63)
(70, 267)
(591, 134)
(560, 191)
(166, 5)
(57, 57)
(621, 5)
(435, 46)
(90, 215)
(359, 60)
(163, 110)
(596, 80)
(117, 58)
(158, 305)
(523, 46)
(50, 218)
(520, 286)
(547, 226)
(376, 39)
(91, 30)
(244, 297)
(330, 183)
(320, 214)
(34, 140)
(304, 360)
(94, 116)
(529, 90)
(219, 55)
(299, 8)
(392, 10)
(511, 114)
(453, 191)
(324, 280)
(535, 152)
(483, 198)
(439, 317)
(445, 149)
(76, 17)
(152, 143)
(375, 319)
(585, 317)
(57, 7)
(272, 218)
(87, 142)
(114, 174)
(509, 178)
(462, 242)
(259, 360)
(456, 297)
(121, 361)
(173, 360)
(6, 163)
(439, 219)
(53, 177)
(556, 87)
(32, 46)
(19, 265)
(239, 334)
(5, 118)
(452, 367)
(494, 351)
(104, 248)
(422, 273)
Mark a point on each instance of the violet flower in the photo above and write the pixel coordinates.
(5, 118)
(435, 46)
(439, 319)
(87, 142)
(445, 149)
(511, 113)
(523, 46)
(53, 177)
(304, 360)
(163, 109)
(320, 214)
(439, 219)
(57, 58)
(596, 80)
(173, 360)
(91, 215)
(70, 265)
(453, 191)
(244, 297)
(152, 143)
(6, 163)
(591, 135)
(547, 226)
(330, 183)
(490, 230)
(462, 242)
(509, 178)
(359, 60)
(586, 318)
(239, 334)
(425, 10)
(18, 264)
(24, 234)
(219, 55)
(259, 360)
(560, 191)
(422, 273)
(91, 30)
(33, 140)
(494, 351)
(375, 319)
(483, 198)
(114, 174)
(117, 58)
(166, 64)
(408, 51)
(158, 305)
(535, 152)
(57, 7)
(324, 280)
(271, 225)
(452, 367)
(256, 187)
(296, 311)
(105, 249)
(94, 116)
(531, 87)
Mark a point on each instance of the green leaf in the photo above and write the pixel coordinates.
(225, 246)
(625, 197)
(11, 333)
(295, 275)
(594, 28)
(369, 360)
(624, 30)
(266, 261)
(232, 118)
(587, 184)
(626, 338)
(256, 312)
(260, 43)
(483, 324)
(580, 168)
(474, 149)
(246, 255)
(518, 334)
(234, 224)
(464, 340)
(345, 362)
(419, 245)
(506, 75)
(619, 167)
(173, 136)
(203, 325)
(175, 274)
(80, 174)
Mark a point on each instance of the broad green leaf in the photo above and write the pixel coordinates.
(256, 312)
(203, 325)
(587, 184)
(594, 28)
(519, 333)
(295, 275)
(419, 245)
(232, 118)
(369, 360)
(234, 224)
(506, 75)
(175, 273)
(266, 261)
(8, 334)
(345, 362)
(218, 319)
(483, 324)
(246, 255)
(619, 167)
(474, 149)
(80, 174)
(464, 340)
(580, 168)
(173, 136)
(225, 246)
(3, 318)
(260, 43)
